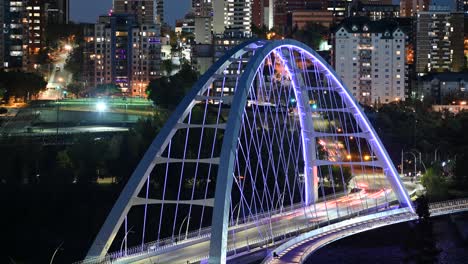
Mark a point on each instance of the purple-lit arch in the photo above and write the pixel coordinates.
(219, 236)
(214, 134)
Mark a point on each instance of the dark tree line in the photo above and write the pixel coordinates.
(21, 84)
(168, 91)
(85, 160)
(439, 136)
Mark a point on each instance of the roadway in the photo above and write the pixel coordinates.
(266, 230)
(297, 250)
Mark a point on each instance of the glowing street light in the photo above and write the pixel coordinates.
(366, 157)
(101, 106)
(348, 157)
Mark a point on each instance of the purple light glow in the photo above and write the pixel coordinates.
(363, 120)
(379, 148)
(302, 122)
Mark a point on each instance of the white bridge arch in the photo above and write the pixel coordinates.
(272, 119)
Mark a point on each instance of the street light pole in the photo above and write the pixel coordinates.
(402, 154)
(180, 229)
(420, 159)
(125, 240)
(435, 154)
(58, 120)
(55, 252)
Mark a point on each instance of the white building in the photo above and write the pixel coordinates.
(232, 17)
(370, 59)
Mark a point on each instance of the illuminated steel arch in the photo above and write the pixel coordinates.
(267, 123)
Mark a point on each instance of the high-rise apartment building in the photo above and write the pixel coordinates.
(409, 8)
(57, 11)
(262, 13)
(284, 9)
(232, 17)
(203, 8)
(126, 53)
(36, 25)
(89, 56)
(40, 14)
(439, 41)
(146, 11)
(160, 11)
(14, 34)
(202, 30)
(2, 36)
(370, 59)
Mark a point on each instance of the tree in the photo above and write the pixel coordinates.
(21, 84)
(312, 34)
(64, 169)
(167, 92)
(337, 174)
(75, 88)
(168, 66)
(461, 170)
(436, 186)
(107, 89)
(422, 207)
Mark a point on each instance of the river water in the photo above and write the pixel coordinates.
(443, 240)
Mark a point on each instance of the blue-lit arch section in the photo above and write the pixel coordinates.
(267, 143)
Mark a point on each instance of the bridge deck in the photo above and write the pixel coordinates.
(298, 251)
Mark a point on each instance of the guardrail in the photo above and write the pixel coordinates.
(325, 237)
(158, 247)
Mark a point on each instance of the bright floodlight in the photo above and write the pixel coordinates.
(101, 106)
(68, 47)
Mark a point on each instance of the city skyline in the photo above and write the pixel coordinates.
(80, 11)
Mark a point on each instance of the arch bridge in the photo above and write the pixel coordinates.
(268, 144)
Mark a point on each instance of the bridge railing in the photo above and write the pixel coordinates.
(448, 203)
(162, 245)
(157, 247)
(452, 206)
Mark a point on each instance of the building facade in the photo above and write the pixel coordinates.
(439, 41)
(14, 40)
(262, 13)
(40, 14)
(202, 8)
(409, 8)
(301, 18)
(370, 59)
(443, 88)
(232, 17)
(146, 11)
(2, 35)
(376, 11)
(127, 53)
(202, 30)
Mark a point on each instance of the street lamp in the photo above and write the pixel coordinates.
(420, 158)
(180, 229)
(125, 240)
(101, 106)
(55, 252)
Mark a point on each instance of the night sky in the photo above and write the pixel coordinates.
(90, 10)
